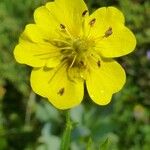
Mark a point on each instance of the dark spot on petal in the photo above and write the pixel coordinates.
(98, 63)
(84, 13)
(62, 26)
(92, 22)
(61, 91)
(108, 32)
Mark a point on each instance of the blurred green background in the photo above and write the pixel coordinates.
(27, 122)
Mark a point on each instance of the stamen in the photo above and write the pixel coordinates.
(96, 59)
(72, 63)
(106, 35)
(84, 13)
(58, 69)
(48, 55)
(108, 32)
(83, 21)
(69, 52)
(61, 91)
(46, 40)
(62, 26)
(81, 63)
(63, 49)
(63, 41)
(92, 22)
(98, 63)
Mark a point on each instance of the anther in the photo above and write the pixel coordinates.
(81, 63)
(98, 63)
(84, 13)
(61, 91)
(108, 32)
(92, 22)
(45, 40)
(62, 26)
(63, 51)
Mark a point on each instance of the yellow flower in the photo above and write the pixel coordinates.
(69, 48)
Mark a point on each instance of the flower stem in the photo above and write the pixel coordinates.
(65, 143)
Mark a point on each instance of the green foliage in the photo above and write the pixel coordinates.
(104, 145)
(28, 122)
(65, 144)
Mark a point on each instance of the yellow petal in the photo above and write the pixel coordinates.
(53, 62)
(121, 42)
(112, 38)
(32, 33)
(55, 85)
(35, 54)
(69, 13)
(46, 22)
(105, 17)
(105, 80)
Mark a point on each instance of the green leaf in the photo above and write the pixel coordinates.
(104, 145)
(89, 144)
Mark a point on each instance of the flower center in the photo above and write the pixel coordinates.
(80, 45)
(76, 52)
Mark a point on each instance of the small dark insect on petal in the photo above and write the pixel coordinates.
(62, 26)
(84, 13)
(61, 91)
(98, 63)
(92, 22)
(108, 32)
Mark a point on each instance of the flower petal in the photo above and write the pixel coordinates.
(46, 22)
(120, 43)
(68, 13)
(55, 85)
(104, 18)
(36, 54)
(105, 80)
(113, 39)
(32, 33)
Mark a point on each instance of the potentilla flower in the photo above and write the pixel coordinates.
(69, 48)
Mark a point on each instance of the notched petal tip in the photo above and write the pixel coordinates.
(105, 100)
(103, 82)
(120, 43)
(61, 92)
(63, 106)
(116, 13)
